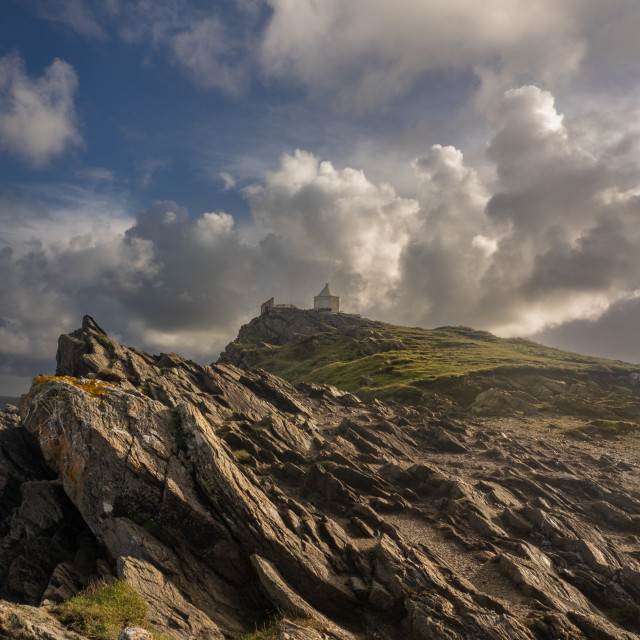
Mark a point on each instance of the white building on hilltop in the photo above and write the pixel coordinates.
(326, 301)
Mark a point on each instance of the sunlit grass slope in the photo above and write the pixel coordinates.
(376, 359)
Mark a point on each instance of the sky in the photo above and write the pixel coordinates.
(166, 166)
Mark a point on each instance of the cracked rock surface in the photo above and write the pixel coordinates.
(222, 495)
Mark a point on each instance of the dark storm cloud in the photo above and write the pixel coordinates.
(202, 274)
(606, 256)
(612, 335)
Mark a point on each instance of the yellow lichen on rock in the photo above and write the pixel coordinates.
(95, 388)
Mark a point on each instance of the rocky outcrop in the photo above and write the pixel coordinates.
(304, 326)
(286, 325)
(47, 551)
(22, 622)
(222, 495)
(8, 402)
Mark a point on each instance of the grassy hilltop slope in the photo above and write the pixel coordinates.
(456, 368)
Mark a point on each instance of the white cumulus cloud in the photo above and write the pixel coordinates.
(547, 237)
(37, 115)
(560, 220)
(329, 224)
(367, 52)
(363, 54)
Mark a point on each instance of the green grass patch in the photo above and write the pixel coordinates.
(270, 631)
(411, 360)
(181, 442)
(102, 612)
(243, 456)
(608, 428)
(315, 497)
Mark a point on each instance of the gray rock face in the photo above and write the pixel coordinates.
(167, 608)
(47, 551)
(221, 495)
(282, 327)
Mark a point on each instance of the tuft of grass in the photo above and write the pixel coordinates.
(109, 346)
(370, 552)
(101, 612)
(108, 375)
(314, 497)
(338, 429)
(16, 621)
(270, 632)
(533, 624)
(266, 634)
(435, 480)
(243, 456)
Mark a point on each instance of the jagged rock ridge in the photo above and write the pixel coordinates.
(222, 494)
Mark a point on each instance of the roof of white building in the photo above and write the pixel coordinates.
(326, 292)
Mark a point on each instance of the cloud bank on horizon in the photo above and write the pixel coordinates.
(528, 225)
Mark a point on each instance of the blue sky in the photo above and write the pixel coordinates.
(140, 118)
(162, 135)
(166, 166)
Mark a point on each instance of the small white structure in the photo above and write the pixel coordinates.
(326, 301)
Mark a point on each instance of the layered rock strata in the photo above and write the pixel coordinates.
(222, 495)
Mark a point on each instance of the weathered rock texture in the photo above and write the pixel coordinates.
(222, 495)
(47, 551)
(23, 622)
